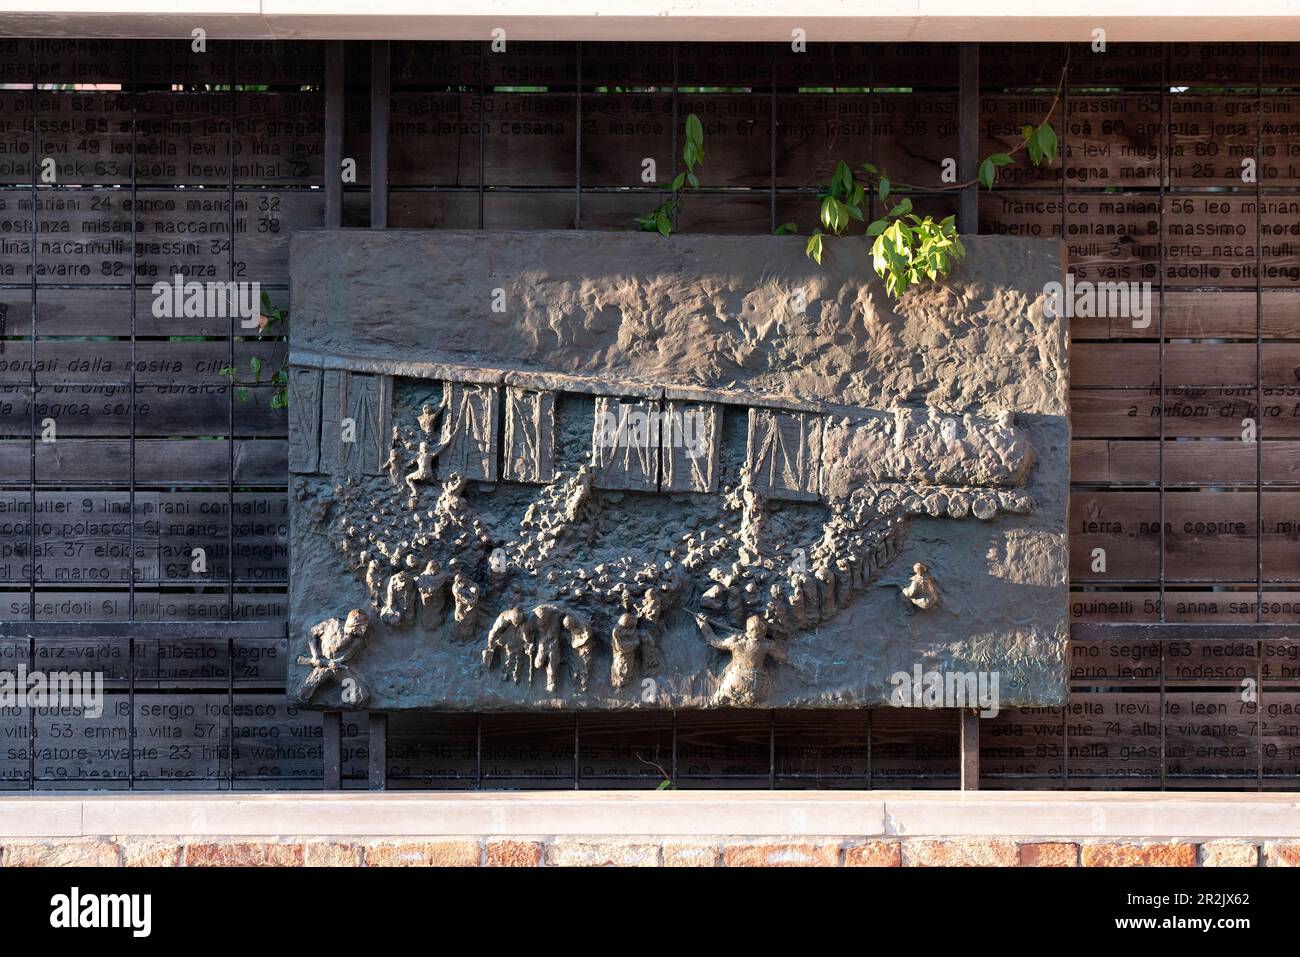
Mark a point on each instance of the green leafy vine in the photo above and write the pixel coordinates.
(272, 326)
(663, 218)
(907, 248)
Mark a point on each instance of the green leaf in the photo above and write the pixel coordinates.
(814, 248)
(241, 394)
(828, 212)
(902, 209)
(786, 229)
(870, 169)
(694, 129)
(1046, 138)
(256, 365)
(877, 227)
(1002, 159)
(678, 180)
(693, 180)
(663, 223)
(842, 181)
(987, 173)
(883, 191)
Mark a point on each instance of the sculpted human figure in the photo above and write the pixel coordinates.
(580, 492)
(779, 614)
(921, 590)
(745, 681)
(398, 608)
(431, 584)
(375, 581)
(624, 641)
(331, 645)
(428, 419)
(824, 582)
(452, 508)
(583, 643)
(544, 643)
(393, 464)
(651, 613)
(423, 469)
(507, 635)
(753, 514)
(464, 594)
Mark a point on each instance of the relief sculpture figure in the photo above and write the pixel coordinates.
(745, 681)
(331, 645)
(508, 637)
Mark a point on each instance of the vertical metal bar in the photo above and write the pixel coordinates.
(332, 750)
(1259, 710)
(674, 134)
(970, 749)
(31, 347)
(130, 718)
(482, 126)
(1065, 206)
(1166, 114)
(31, 408)
(31, 721)
(871, 729)
(333, 133)
(771, 750)
(1259, 336)
(674, 737)
(232, 66)
(377, 752)
(968, 136)
(478, 752)
(380, 96)
(230, 724)
(577, 151)
(1166, 166)
(577, 752)
(131, 566)
(772, 141)
(1164, 648)
(1259, 414)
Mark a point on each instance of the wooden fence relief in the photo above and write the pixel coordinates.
(143, 497)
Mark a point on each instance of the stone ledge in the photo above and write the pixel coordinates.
(639, 851)
(1031, 816)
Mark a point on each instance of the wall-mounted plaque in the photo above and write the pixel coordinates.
(650, 482)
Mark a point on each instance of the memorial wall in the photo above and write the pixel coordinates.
(205, 166)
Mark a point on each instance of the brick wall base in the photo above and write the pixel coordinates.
(643, 852)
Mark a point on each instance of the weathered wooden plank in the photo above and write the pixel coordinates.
(151, 604)
(1186, 462)
(1190, 413)
(1237, 605)
(1131, 364)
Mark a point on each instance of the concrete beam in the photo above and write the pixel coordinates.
(699, 20)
